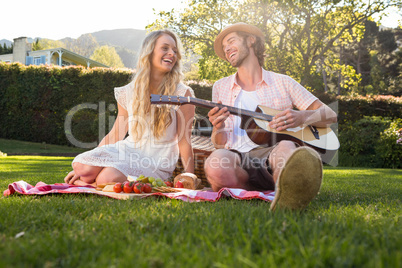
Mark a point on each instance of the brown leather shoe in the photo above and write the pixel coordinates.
(299, 181)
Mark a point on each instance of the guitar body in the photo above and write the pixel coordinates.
(260, 133)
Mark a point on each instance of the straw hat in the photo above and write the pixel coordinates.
(237, 27)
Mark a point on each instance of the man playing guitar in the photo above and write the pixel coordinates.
(293, 171)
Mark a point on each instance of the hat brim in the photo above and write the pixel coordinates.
(237, 27)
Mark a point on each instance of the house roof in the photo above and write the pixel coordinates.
(67, 54)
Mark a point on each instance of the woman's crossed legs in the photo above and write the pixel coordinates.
(93, 175)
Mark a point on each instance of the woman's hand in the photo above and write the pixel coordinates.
(71, 177)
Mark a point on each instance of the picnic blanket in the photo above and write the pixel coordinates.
(42, 188)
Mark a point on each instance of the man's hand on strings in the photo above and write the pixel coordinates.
(287, 119)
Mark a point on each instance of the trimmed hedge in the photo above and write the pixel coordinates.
(202, 91)
(35, 100)
(352, 109)
(371, 142)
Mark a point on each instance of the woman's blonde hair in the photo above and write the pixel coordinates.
(160, 116)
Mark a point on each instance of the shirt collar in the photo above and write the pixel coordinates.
(265, 78)
(233, 81)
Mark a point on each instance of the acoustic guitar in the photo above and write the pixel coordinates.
(256, 124)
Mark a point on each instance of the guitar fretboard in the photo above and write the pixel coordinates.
(180, 100)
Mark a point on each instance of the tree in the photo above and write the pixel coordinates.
(395, 87)
(107, 55)
(373, 58)
(299, 34)
(386, 45)
(6, 50)
(357, 54)
(378, 84)
(49, 44)
(36, 45)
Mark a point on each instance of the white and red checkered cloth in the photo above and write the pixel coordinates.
(42, 188)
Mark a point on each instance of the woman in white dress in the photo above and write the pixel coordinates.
(157, 133)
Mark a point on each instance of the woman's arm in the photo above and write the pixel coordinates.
(185, 118)
(119, 129)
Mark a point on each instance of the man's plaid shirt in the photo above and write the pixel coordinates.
(276, 91)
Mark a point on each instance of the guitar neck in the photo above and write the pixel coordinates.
(180, 100)
(231, 109)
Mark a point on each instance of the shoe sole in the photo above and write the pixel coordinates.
(299, 181)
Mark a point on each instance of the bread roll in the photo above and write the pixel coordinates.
(189, 180)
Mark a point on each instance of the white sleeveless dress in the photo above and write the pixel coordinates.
(149, 156)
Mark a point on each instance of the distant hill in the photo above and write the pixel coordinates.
(7, 42)
(128, 38)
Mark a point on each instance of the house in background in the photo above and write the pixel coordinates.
(22, 52)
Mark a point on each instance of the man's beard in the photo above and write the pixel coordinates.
(243, 54)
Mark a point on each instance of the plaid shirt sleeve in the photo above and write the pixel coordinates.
(301, 97)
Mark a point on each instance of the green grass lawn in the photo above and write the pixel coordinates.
(355, 221)
(25, 147)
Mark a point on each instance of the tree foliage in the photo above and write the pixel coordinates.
(5, 49)
(302, 36)
(107, 55)
(36, 45)
(44, 44)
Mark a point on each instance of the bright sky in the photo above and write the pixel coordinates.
(55, 19)
(393, 19)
